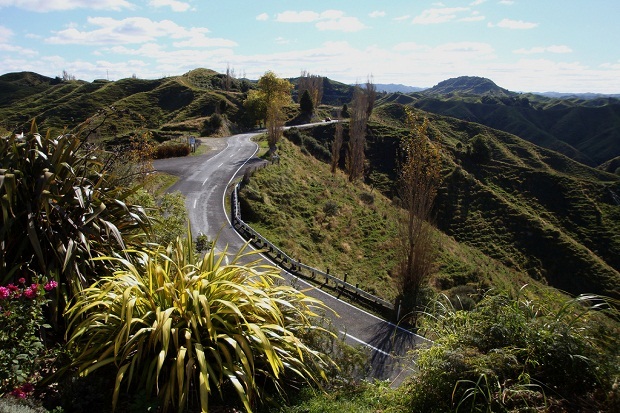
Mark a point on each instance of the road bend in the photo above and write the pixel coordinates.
(205, 180)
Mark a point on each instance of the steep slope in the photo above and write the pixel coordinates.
(533, 209)
(590, 135)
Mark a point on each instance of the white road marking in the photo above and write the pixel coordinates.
(220, 165)
(365, 343)
(205, 181)
(195, 200)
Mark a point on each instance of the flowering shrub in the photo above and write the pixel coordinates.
(21, 342)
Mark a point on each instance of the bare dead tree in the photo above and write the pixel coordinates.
(228, 79)
(371, 92)
(337, 145)
(313, 84)
(419, 180)
(355, 157)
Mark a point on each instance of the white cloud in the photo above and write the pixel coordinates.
(477, 2)
(401, 18)
(262, 17)
(137, 30)
(282, 40)
(547, 49)
(506, 2)
(5, 34)
(377, 13)
(472, 18)
(178, 6)
(297, 16)
(334, 20)
(343, 24)
(514, 24)
(64, 5)
(434, 16)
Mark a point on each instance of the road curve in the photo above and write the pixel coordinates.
(205, 179)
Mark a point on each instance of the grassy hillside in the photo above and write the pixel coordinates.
(534, 210)
(590, 135)
(325, 222)
(165, 106)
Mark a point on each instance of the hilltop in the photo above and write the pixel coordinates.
(582, 128)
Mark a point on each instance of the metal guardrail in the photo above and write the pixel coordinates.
(297, 268)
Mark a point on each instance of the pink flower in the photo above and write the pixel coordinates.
(4, 293)
(30, 292)
(22, 280)
(12, 287)
(19, 393)
(50, 285)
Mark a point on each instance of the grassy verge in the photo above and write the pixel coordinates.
(324, 221)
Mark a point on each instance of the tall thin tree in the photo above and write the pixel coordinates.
(355, 157)
(420, 177)
(337, 145)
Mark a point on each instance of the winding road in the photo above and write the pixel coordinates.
(205, 179)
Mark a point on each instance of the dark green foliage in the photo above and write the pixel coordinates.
(480, 151)
(305, 104)
(511, 353)
(60, 207)
(345, 111)
(212, 124)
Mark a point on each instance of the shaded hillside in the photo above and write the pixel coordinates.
(590, 135)
(531, 208)
(587, 130)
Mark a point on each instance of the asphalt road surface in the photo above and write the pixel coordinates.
(205, 180)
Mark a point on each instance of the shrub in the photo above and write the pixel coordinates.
(330, 208)
(60, 207)
(22, 349)
(171, 150)
(514, 354)
(171, 323)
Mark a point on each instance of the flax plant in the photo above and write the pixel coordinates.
(172, 323)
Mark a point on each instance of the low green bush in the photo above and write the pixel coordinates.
(511, 353)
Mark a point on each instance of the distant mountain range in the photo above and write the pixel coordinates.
(481, 85)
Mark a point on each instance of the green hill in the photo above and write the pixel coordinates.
(587, 130)
(536, 211)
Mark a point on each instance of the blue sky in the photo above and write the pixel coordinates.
(522, 45)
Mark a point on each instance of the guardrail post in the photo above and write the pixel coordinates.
(345, 277)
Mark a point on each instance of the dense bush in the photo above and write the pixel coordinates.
(60, 207)
(514, 354)
(171, 150)
(173, 324)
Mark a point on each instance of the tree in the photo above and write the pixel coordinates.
(420, 177)
(313, 84)
(267, 104)
(355, 157)
(305, 104)
(229, 78)
(371, 93)
(336, 146)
